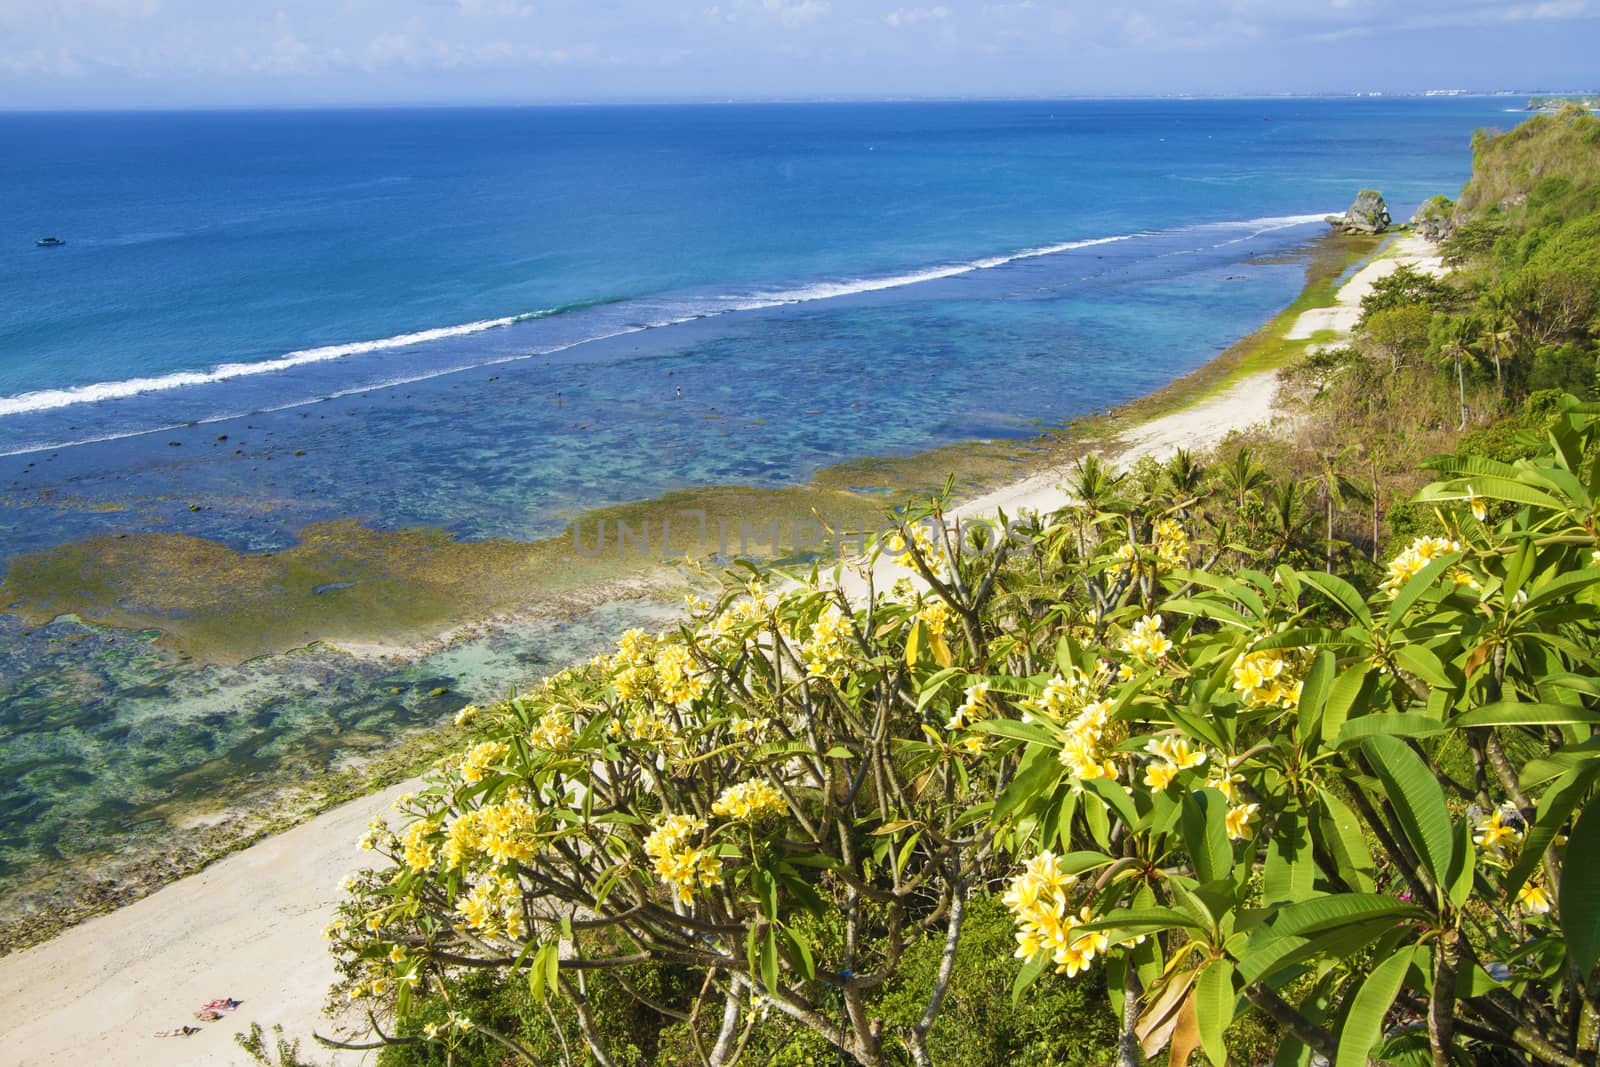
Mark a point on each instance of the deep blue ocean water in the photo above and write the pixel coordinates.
(953, 270)
(488, 320)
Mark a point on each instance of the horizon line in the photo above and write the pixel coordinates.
(778, 100)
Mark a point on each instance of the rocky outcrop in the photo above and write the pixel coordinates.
(1435, 219)
(1367, 215)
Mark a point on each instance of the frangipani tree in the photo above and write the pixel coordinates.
(1240, 791)
(1360, 814)
(709, 800)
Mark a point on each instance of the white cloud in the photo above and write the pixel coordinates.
(495, 8)
(1551, 9)
(911, 16)
(797, 14)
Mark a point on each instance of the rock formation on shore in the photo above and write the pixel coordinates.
(1435, 219)
(1367, 215)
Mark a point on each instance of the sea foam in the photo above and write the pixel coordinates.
(48, 399)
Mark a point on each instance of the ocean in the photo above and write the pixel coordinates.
(487, 321)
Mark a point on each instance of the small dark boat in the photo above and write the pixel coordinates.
(49, 242)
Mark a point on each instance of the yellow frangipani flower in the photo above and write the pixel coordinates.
(1240, 820)
(974, 707)
(1145, 640)
(1534, 899)
(1267, 678)
(1227, 783)
(420, 853)
(1493, 835)
(479, 758)
(826, 651)
(1176, 751)
(750, 800)
(936, 615)
(677, 861)
(1160, 775)
(1421, 552)
(552, 733)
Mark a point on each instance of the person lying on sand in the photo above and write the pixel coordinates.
(206, 1015)
(180, 1031)
(221, 1004)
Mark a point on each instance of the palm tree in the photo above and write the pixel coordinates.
(1092, 486)
(1243, 477)
(1454, 336)
(1337, 492)
(1494, 325)
(1286, 520)
(1184, 478)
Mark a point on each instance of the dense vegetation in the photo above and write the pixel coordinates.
(1283, 753)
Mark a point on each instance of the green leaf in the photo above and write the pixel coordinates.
(1268, 957)
(800, 948)
(1561, 586)
(1513, 713)
(1040, 769)
(769, 960)
(1490, 488)
(1205, 834)
(1363, 1025)
(1341, 593)
(1207, 609)
(1421, 662)
(1558, 802)
(766, 888)
(1418, 802)
(1144, 920)
(1289, 870)
(1418, 584)
(1026, 977)
(1559, 762)
(543, 970)
(1094, 813)
(1017, 731)
(904, 853)
(1214, 1003)
(935, 685)
(1342, 698)
(1580, 891)
(1313, 916)
(1388, 724)
(1116, 797)
(1314, 693)
(1458, 884)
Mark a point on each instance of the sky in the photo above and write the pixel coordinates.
(207, 53)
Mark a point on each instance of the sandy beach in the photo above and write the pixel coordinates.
(250, 925)
(1410, 250)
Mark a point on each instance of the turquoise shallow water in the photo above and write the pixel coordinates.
(490, 320)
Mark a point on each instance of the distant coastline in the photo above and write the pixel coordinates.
(1556, 103)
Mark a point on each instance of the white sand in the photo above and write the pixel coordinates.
(247, 927)
(250, 926)
(1247, 403)
(1412, 250)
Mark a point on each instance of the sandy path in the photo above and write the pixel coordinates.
(250, 925)
(1412, 250)
(1247, 403)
